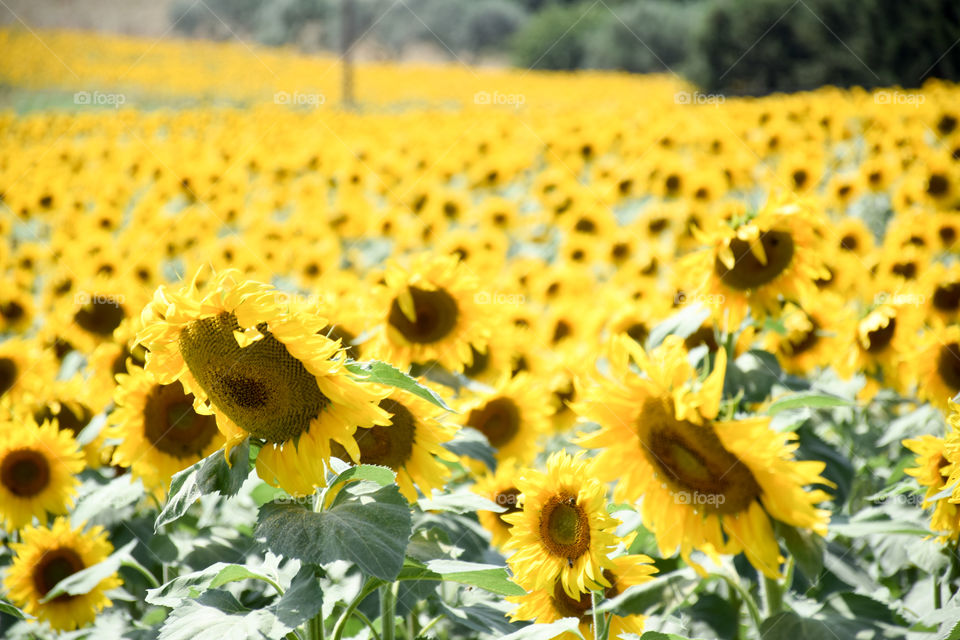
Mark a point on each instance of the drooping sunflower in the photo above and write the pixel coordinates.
(755, 261)
(499, 487)
(562, 532)
(706, 483)
(44, 557)
(38, 464)
(160, 431)
(410, 444)
(931, 472)
(883, 337)
(549, 605)
(435, 311)
(513, 417)
(263, 371)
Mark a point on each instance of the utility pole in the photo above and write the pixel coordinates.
(346, 52)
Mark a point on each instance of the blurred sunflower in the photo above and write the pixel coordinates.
(159, 430)
(812, 338)
(562, 533)
(931, 472)
(44, 557)
(38, 465)
(755, 262)
(263, 371)
(935, 365)
(410, 444)
(706, 484)
(513, 417)
(433, 311)
(549, 605)
(499, 487)
(24, 366)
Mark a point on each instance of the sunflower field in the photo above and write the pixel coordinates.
(487, 354)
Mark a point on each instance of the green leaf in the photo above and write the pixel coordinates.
(210, 475)
(371, 531)
(383, 373)
(807, 399)
(488, 577)
(14, 611)
(87, 579)
(638, 599)
(659, 635)
(683, 324)
(302, 600)
(789, 626)
(869, 527)
(234, 573)
(192, 584)
(264, 493)
(547, 631)
(216, 615)
(806, 548)
(383, 476)
(459, 502)
(471, 443)
(112, 496)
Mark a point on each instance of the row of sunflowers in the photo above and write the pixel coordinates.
(529, 356)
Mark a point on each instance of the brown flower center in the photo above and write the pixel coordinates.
(881, 338)
(100, 316)
(8, 374)
(564, 527)
(948, 365)
(946, 297)
(387, 446)
(748, 272)
(25, 472)
(498, 419)
(508, 499)
(54, 566)
(436, 314)
(171, 424)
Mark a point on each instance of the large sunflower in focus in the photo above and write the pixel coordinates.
(706, 484)
(435, 311)
(410, 444)
(754, 261)
(549, 605)
(160, 431)
(264, 371)
(37, 469)
(563, 532)
(44, 557)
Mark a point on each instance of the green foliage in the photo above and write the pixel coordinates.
(557, 37)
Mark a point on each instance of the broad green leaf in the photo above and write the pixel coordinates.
(370, 530)
(488, 577)
(234, 573)
(887, 527)
(210, 475)
(459, 502)
(14, 611)
(264, 493)
(383, 476)
(216, 615)
(383, 373)
(659, 635)
(302, 600)
(113, 496)
(638, 599)
(789, 626)
(683, 324)
(547, 631)
(806, 548)
(85, 580)
(807, 399)
(471, 443)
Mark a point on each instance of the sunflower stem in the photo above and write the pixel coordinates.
(371, 586)
(388, 608)
(430, 624)
(773, 594)
(747, 598)
(136, 566)
(599, 619)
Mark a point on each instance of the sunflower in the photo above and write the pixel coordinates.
(755, 261)
(706, 484)
(499, 487)
(883, 337)
(410, 444)
(24, 367)
(66, 402)
(935, 364)
(159, 430)
(37, 469)
(814, 337)
(549, 605)
(563, 532)
(44, 557)
(435, 311)
(940, 287)
(263, 371)
(513, 417)
(931, 472)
